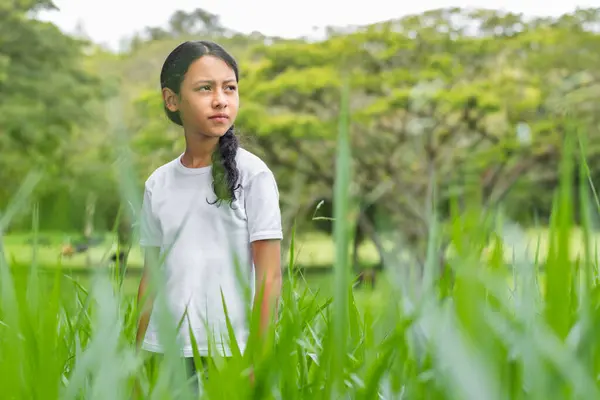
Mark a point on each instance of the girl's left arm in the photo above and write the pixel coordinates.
(267, 264)
(265, 231)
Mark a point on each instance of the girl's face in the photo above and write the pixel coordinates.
(208, 100)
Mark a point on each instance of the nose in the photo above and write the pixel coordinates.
(219, 99)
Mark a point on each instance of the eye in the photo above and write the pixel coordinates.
(232, 87)
(205, 87)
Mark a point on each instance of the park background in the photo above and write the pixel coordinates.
(452, 187)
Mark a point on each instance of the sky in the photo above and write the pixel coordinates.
(109, 21)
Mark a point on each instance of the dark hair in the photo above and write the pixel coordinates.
(224, 172)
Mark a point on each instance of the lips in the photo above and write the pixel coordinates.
(219, 119)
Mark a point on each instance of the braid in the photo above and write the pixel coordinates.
(225, 172)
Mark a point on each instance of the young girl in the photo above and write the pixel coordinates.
(212, 210)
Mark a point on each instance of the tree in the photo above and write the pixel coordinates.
(47, 95)
(432, 105)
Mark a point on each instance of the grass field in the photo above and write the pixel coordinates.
(477, 338)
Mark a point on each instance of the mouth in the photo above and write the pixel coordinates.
(219, 117)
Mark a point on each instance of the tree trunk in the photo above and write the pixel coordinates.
(124, 239)
(358, 238)
(368, 230)
(88, 231)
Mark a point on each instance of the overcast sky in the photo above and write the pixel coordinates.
(108, 21)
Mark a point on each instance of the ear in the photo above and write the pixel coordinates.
(171, 100)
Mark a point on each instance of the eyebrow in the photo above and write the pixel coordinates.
(212, 81)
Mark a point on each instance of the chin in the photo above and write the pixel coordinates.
(214, 133)
(218, 133)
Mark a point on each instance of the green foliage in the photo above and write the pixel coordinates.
(47, 86)
(312, 82)
(50, 98)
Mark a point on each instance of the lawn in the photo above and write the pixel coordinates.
(313, 250)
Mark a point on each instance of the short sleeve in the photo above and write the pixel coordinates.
(262, 207)
(150, 232)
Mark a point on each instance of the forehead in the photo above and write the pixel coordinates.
(210, 68)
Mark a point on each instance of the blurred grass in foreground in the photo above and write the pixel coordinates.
(467, 334)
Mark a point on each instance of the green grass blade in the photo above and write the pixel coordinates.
(341, 238)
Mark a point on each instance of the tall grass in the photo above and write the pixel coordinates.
(465, 335)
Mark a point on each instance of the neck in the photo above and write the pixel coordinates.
(198, 150)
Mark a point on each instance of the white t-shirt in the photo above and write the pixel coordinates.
(200, 241)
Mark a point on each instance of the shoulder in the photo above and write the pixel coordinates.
(250, 165)
(160, 175)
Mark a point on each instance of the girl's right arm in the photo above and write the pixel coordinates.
(145, 299)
